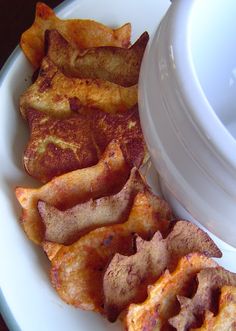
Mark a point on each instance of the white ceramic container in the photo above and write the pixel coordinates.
(188, 110)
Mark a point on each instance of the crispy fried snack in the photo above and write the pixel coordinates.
(59, 95)
(57, 146)
(193, 309)
(225, 320)
(77, 270)
(186, 237)
(115, 64)
(127, 277)
(67, 226)
(161, 303)
(80, 33)
(65, 191)
(126, 129)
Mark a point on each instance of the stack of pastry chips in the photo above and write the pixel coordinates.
(112, 243)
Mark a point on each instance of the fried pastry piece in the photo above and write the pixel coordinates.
(126, 129)
(193, 309)
(225, 319)
(187, 237)
(67, 226)
(127, 277)
(80, 33)
(77, 270)
(161, 304)
(106, 177)
(115, 64)
(57, 146)
(59, 95)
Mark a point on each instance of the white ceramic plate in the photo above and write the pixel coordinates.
(27, 299)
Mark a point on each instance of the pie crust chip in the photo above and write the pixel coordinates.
(59, 95)
(77, 270)
(161, 303)
(127, 277)
(114, 64)
(225, 319)
(81, 33)
(193, 309)
(69, 225)
(106, 177)
(57, 146)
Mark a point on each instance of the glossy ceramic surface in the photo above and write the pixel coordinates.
(190, 143)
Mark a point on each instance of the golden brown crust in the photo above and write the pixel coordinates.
(127, 277)
(67, 226)
(193, 309)
(104, 178)
(59, 95)
(187, 237)
(81, 33)
(225, 319)
(115, 64)
(77, 270)
(161, 303)
(57, 146)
